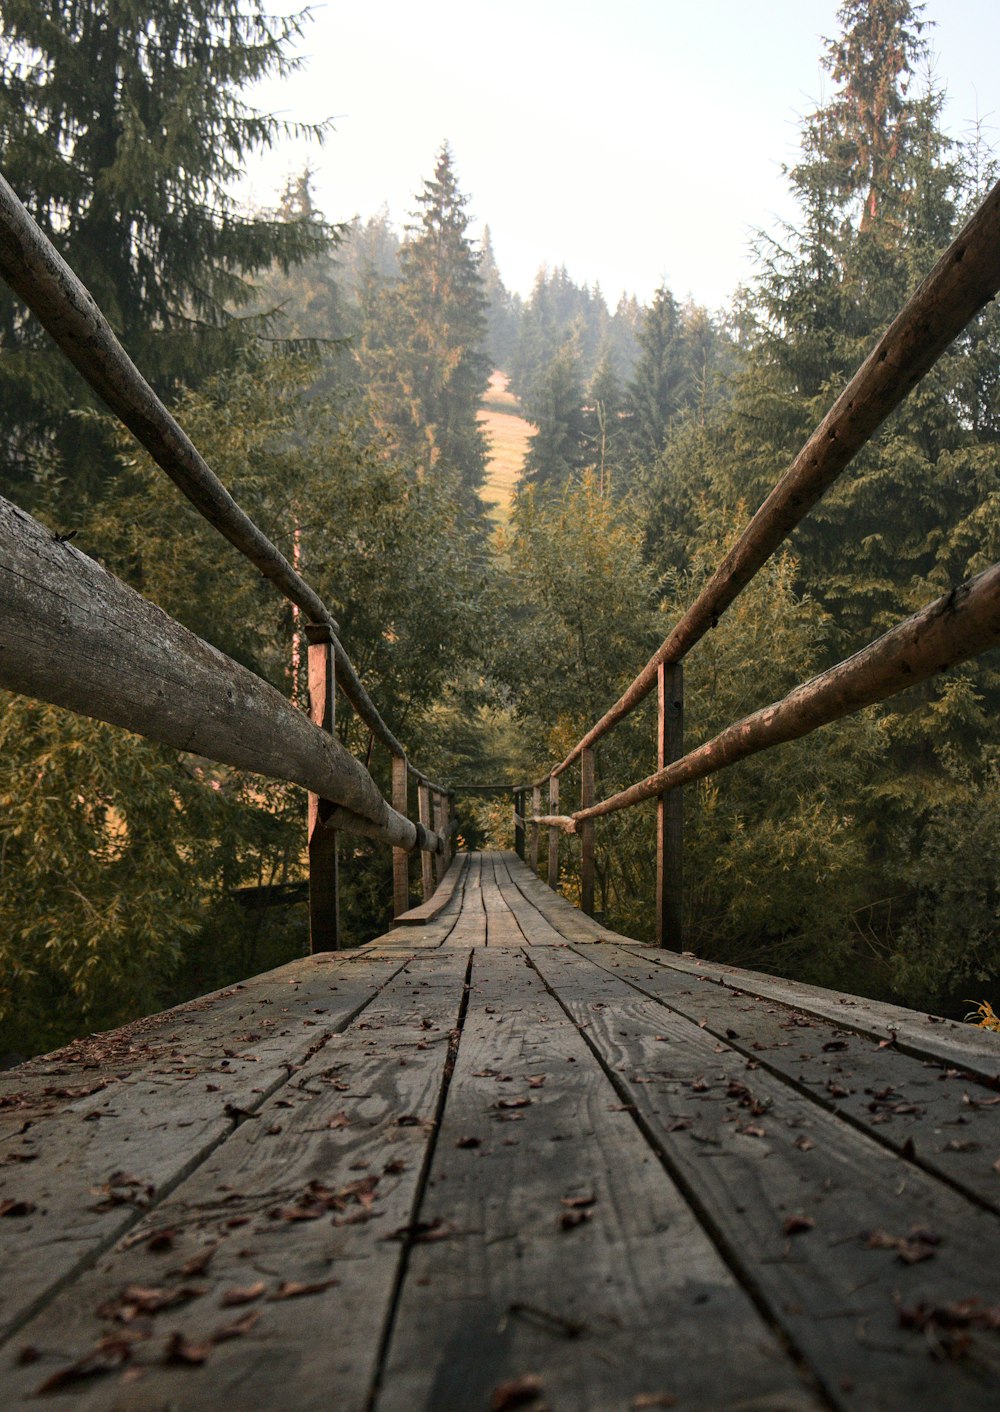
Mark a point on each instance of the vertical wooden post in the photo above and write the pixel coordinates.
(324, 890)
(400, 857)
(441, 825)
(670, 809)
(448, 820)
(536, 809)
(426, 857)
(587, 832)
(519, 823)
(554, 834)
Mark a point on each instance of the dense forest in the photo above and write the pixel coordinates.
(333, 375)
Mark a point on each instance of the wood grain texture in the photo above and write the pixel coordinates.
(362, 1111)
(756, 1154)
(154, 1109)
(426, 911)
(934, 1113)
(503, 1292)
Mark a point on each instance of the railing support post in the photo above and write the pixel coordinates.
(670, 809)
(426, 857)
(441, 819)
(587, 832)
(400, 857)
(554, 834)
(536, 809)
(324, 881)
(519, 823)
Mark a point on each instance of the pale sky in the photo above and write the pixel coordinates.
(636, 143)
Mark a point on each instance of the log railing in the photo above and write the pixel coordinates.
(74, 635)
(960, 625)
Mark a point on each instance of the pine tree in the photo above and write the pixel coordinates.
(560, 448)
(122, 127)
(659, 384)
(502, 307)
(603, 421)
(424, 336)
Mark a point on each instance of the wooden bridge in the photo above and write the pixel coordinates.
(506, 1159)
(499, 1157)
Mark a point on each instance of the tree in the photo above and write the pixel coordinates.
(423, 344)
(560, 448)
(122, 128)
(659, 383)
(502, 308)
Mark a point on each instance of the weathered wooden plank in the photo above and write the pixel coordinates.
(470, 928)
(962, 282)
(535, 929)
(606, 1302)
(160, 1105)
(932, 1113)
(821, 1220)
(121, 659)
(501, 925)
(927, 1036)
(426, 911)
(310, 1192)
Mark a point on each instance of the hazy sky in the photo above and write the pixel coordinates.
(635, 143)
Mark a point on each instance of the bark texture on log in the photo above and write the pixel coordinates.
(962, 624)
(36, 271)
(74, 635)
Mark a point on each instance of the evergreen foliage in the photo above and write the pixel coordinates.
(424, 336)
(122, 127)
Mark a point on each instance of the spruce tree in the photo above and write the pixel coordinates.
(560, 448)
(122, 127)
(424, 337)
(659, 384)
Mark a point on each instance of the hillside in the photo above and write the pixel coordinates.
(508, 434)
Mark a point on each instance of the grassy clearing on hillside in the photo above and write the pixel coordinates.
(508, 435)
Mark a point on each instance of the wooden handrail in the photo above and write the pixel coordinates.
(35, 270)
(962, 624)
(74, 635)
(965, 278)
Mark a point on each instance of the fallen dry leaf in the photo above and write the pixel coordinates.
(180, 1349)
(238, 1328)
(515, 1392)
(512, 1102)
(245, 1294)
(198, 1264)
(292, 1289)
(12, 1207)
(108, 1353)
(911, 1249)
(798, 1224)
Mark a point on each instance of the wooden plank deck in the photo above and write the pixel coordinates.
(505, 1159)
